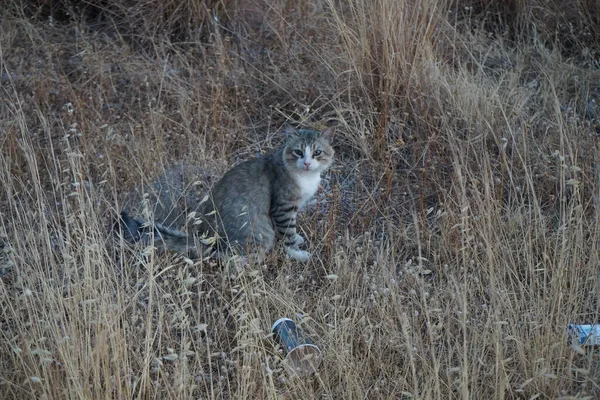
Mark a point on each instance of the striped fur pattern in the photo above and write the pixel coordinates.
(162, 237)
(254, 203)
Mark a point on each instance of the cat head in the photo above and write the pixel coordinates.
(308, 151)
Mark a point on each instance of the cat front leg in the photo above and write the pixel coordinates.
(285, 223)
(298, 240)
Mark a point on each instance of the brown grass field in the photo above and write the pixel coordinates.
(453, 241)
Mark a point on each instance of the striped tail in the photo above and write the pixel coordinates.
(164, 239)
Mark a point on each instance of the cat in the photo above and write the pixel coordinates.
(252, 205)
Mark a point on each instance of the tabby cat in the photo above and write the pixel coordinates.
(253, 204)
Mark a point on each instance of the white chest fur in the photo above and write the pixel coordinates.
(309, 184)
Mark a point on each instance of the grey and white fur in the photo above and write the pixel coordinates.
(252, 205)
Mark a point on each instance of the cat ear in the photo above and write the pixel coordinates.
(328, 133)
(290, 132)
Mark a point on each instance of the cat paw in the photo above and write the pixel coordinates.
(299, 255)
(298, 240)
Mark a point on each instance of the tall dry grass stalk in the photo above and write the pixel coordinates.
(455, 239)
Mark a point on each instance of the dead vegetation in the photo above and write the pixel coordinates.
(455, 239)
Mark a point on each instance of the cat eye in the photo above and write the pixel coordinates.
(317, 153)
(298, 153)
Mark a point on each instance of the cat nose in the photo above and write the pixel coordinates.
(307, 164)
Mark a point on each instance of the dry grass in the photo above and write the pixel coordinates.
(460, 221)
